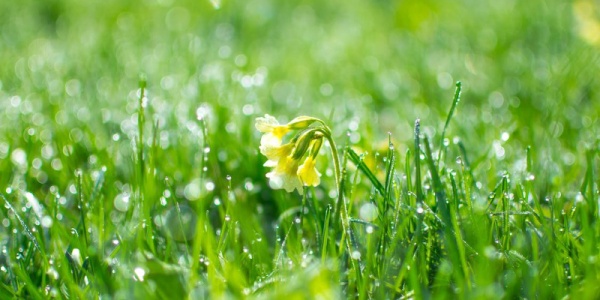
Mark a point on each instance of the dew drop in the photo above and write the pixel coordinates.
(122, 202)
(210, 186)
(46, 221)
(368, 212)
(139, 274)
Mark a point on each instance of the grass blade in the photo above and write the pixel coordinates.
(450, 238)
(358, 162)
(455, 101)
(418, 187)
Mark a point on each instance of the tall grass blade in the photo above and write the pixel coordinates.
(418, 187)
(455, 101)
(450, 238)
(358, 162)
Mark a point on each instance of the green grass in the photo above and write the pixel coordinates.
(130, 165)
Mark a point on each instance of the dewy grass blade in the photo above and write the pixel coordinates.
(442, 204)
(357, 161)
(82, 209)
(141, 119)
(325, 234)
(455, 215)
(28, 232)
(455, 101)
(417, 136)
(389, 174)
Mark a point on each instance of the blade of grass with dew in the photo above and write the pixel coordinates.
(415, 255)
(387, 203)
(82, 211)
(358, 162)
(455, 214)
(199, 206)
(325, 234)
(455, 101)
(28, 233)
(450, 239)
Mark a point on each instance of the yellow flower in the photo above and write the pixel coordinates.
(284, 159)
(308, 174)
(273, 131)
(284, 175)
(275, 153)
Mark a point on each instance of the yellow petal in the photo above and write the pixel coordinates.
(308, 174)
(284, 175)
(275, 153)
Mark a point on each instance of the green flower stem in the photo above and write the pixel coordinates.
(340, 201)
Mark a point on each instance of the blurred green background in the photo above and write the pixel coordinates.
(70, 72)
(69, 90)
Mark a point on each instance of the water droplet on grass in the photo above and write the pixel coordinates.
(248, 185)
(139, 274)
(19, 158)
(46, 221)
(368, 212)
(122, 202)
(248, 109)
(332, 193)
(210, 186)
(192, 190)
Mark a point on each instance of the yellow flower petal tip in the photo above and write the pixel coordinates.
(308, 173)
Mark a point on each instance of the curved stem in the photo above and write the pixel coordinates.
(338, 177)
(340, 201)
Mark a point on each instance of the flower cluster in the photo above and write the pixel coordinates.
(285, 159)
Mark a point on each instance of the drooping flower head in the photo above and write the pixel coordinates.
(287, 173)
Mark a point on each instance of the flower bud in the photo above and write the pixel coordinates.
(302, 122)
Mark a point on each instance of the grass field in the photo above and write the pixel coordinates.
(457, 143)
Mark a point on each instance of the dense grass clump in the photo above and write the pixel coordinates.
(457, 145)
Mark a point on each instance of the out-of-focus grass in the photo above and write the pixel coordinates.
(189, 212)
